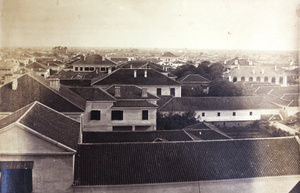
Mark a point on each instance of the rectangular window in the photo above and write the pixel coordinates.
(172, 91)
(103, 69)
(81, 68)
(145, 115)
(219, 114)
(76, 68)
(92, 69)
(117, 115)
(86, 68)
(95, 115)
(203, 114)
(250, 113)
(158, 91)
(233, 114)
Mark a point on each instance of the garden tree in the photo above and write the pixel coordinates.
(175, 122)
(226, 88)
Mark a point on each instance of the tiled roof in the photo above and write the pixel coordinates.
(31, 88)
(36, 65)
(197, 126)
(205, 134)
(135, 64)
(168, 54)
(47, 122)
(134, 137)
(134, 104)
(296, 188)
(129, 92)
(163, 100)
(143, 163)
(193, 78)
(93, 94)
(217, 103)
(126, 76)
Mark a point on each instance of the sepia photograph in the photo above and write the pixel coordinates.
(160, 96)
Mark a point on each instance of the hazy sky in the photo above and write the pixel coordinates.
(212, 24)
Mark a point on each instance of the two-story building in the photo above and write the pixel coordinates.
(118, 108)
(155, 82)
(94, 62)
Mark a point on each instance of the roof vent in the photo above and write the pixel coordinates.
(134, 73)
(145, 74)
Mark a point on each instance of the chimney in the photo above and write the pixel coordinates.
(117, 91)
(54, 83)
(134, 73)
(144, 92)
(236, 62)
(15, 83)
(225, 61)
(109, 70)
(145, 74)
(130, 66)
(250, 62)
(48, 63)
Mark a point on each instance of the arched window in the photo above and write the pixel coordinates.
(266, 79)
(234, 79)
(273, 79)
(257, 79)
(243, 79)
(250, 79)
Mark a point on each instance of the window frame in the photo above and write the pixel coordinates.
(145, 115)
(117, 115)
(94, 117)
(219, 114)
(158, 91)
(172, 91)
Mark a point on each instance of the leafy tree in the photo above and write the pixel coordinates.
(175, 122)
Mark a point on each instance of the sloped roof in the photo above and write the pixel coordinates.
(126, 76)
(143, 163)
(296, 188)
(217, 103)
(134, 137)
(36, 65)
(168, 54)
(134, 103)
(93, 94)
(135, 64)
(193, 78)
(32, 88)
(205, 134)
(95, 59)
(129, 92)
(47, 122)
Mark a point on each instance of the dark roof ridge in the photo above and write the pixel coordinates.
(18, 118)
(47, 138)
(39, 103)
(59, 93)
(98, 80)
(202, 141)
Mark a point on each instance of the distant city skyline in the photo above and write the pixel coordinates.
(192, 24)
